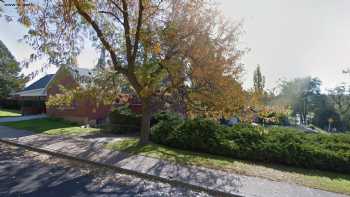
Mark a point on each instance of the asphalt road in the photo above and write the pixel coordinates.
(30, 174)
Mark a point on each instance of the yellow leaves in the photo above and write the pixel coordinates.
(156, 49)
(216, 94)
(213, 77)
(25, 21)
(67, 10)
(146, 92)
(60, 101)
(23, 9)
(150, 76)
(94, 95)
(87, 5)
(21, 5)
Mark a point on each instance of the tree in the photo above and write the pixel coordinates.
(259, 81)
(149, 42)
(300, 94)
(212, 87)
(10, 78)
(340, 96)
(323, 110)
(257, 96)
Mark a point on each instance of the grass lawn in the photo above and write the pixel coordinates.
(311, 178)
(50, 127)
(8, 113)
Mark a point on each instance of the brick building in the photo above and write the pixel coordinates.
(32, 98)
(84, 110)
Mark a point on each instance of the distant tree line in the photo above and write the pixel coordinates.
(302, 97)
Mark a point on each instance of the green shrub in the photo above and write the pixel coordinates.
(275, 145)
(247, 138)
(123, 123)
(165, 116)
(198, 135)
(166, 124)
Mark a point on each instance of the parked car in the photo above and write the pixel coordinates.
(230, 121)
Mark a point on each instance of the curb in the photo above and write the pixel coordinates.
(125, 171)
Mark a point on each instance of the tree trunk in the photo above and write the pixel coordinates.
(145, 122)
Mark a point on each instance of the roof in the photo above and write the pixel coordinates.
(39, 87)
(82, 72)
(34, 92)
(82, 75)
(41, 83)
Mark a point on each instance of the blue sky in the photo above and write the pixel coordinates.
(287, 38)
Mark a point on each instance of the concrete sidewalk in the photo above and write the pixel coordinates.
(89, 149)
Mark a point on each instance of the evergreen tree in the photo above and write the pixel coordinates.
(10, 78)
(259, 81)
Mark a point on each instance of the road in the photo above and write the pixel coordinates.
(30, 174)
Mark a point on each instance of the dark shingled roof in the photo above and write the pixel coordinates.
(41, 83)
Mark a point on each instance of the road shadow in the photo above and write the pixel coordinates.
(22, 176)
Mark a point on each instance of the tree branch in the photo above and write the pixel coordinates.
(102, 38)
(156, 9)
(117, 6)
(138, 30)
(112, 14)
(127, 35)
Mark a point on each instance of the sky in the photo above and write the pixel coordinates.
(287, 38)
(294, 38)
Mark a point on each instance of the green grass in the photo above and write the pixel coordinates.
(8, 113)
(50, 126)
(311, 178)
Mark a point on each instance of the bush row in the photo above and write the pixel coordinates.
(10, 104)
(275, 145)
(122, 123)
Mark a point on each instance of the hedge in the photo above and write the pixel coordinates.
(275, 145)
(123, 123)
(10, 104)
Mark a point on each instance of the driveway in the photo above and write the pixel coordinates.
(21, 118)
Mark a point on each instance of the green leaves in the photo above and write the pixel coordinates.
(150, 76)
(25, 21)
(88, 5)
(10, 78)
(275, 145)
(101, 90)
